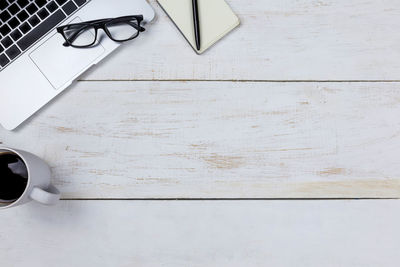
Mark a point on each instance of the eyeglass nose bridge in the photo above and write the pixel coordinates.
(105, 30)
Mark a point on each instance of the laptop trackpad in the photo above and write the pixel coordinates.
(61, 64)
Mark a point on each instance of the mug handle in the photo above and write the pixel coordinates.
(45, 197)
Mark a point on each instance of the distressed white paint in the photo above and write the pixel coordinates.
(277, 40)
(223, 140)
(202, 233)
(219, 140)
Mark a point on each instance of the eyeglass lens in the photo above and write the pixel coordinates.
(80, 35)
(121, 31)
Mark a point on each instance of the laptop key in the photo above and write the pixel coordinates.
(22, 15)
(4, 16)
(52, 6)
(15, 35)
(34, 20)
(69, 8)
(32, 8)
(13, 52)
(13, 23)
(14, 9)
(25, 27)
(3, 60)
(79, 2)
(43, 13)
(4, 30)
(1, 48)
(6, 42)
(41, 30)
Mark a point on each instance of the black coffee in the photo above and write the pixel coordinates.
(13, 176)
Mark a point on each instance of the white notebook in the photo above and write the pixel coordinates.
(216, 20)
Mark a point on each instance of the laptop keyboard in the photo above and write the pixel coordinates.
(23, 22)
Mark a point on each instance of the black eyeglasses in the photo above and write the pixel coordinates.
(84, 34)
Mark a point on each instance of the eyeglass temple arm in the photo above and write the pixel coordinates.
(137, 27)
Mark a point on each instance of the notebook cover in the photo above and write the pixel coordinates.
(216, 20)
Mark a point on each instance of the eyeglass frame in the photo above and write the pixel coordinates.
(101, 24)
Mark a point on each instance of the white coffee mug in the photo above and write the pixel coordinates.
(38, 186)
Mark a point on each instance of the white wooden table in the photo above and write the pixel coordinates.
(173, 159)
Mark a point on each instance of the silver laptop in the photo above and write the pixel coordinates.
(34, 64)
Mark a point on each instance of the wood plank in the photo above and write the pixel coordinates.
(278, 40)
(219, 140)
(202, 233)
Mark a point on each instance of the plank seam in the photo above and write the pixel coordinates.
(247, 81)
(222, 199)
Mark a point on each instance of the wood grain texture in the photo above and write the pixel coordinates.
(219, 140)
(277, 40)
(202, 233)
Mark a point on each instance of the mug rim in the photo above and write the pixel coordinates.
(29, 176)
